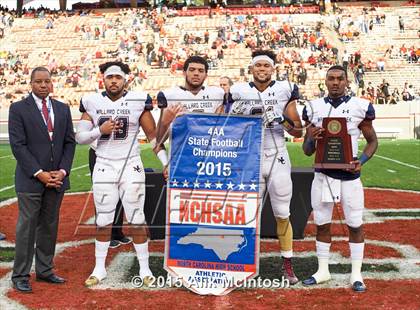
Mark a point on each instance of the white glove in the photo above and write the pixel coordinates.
(272, 116)
(238, 107)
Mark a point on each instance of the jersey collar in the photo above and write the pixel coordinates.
(252, 84)
(105, 94)
(335, 102)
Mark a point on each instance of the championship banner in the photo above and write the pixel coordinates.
(213, 208)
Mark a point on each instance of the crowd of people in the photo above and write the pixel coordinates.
(154, 39)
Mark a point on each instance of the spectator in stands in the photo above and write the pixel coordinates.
(350, 92)
(360, 85)
(226, 83)
(2, 236)
(408, 92)
(401, 23)
(395, 96)
(50, 24)
(380, 98)
(385, 90)
(321, 88)
(371, 24)
(302, 75)
(75, 78)
(403, 51)
(364, 95)
(412, 58)
(380, 64)
(389, 51)
(358, 74)
(346, 59)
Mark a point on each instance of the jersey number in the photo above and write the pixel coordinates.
(120, 134)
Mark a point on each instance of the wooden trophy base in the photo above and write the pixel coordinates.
(334, 166)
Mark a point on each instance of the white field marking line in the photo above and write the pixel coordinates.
(80, 167)
(369, 216)
(395, 161)
(7, 156)
(407, 266)
(6, 188)
(376, 220)
(393, 190)
(7, 202)
(6, 283)
(74, 169)
(5, 286)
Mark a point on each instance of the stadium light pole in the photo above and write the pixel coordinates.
(19, 6)
(63, 5)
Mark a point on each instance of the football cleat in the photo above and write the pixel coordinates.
(114, 244)
(148, 280)
(147, 277)
(288, 272)
(309, 281)
(92, 281)
(124, 240)
(358, 287)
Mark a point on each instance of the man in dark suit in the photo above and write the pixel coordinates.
(42, 141)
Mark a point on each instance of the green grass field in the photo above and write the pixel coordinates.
(396, 166)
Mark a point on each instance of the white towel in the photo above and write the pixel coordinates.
(331, 190)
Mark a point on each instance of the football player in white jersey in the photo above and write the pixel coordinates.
(331, 185)
(276, 102)
(113, 118)
(192, 97)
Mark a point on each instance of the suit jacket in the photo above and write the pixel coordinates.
(32, 147)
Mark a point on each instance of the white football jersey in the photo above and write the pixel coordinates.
(354, 109)
(275, 97)
(207, 100)
(121, 144)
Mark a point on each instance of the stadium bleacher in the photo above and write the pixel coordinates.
(73, 49)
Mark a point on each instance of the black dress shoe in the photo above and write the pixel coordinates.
(51, 279)
(22, 286)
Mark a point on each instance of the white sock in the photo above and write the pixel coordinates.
(287, 254)
(142, 250)
(323, 254)
(101, 251)
(356, 253)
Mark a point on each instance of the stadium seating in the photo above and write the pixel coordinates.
(39, 46)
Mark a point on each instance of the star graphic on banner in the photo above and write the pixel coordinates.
(185, 183)
(241, 186)
(230, 185)
(253, 187)
(175, 183)
(207, 184)
(219, 185)
(196, 184)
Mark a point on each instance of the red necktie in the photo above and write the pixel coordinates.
(47, 117)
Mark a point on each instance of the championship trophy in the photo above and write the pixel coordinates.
(334, 150)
